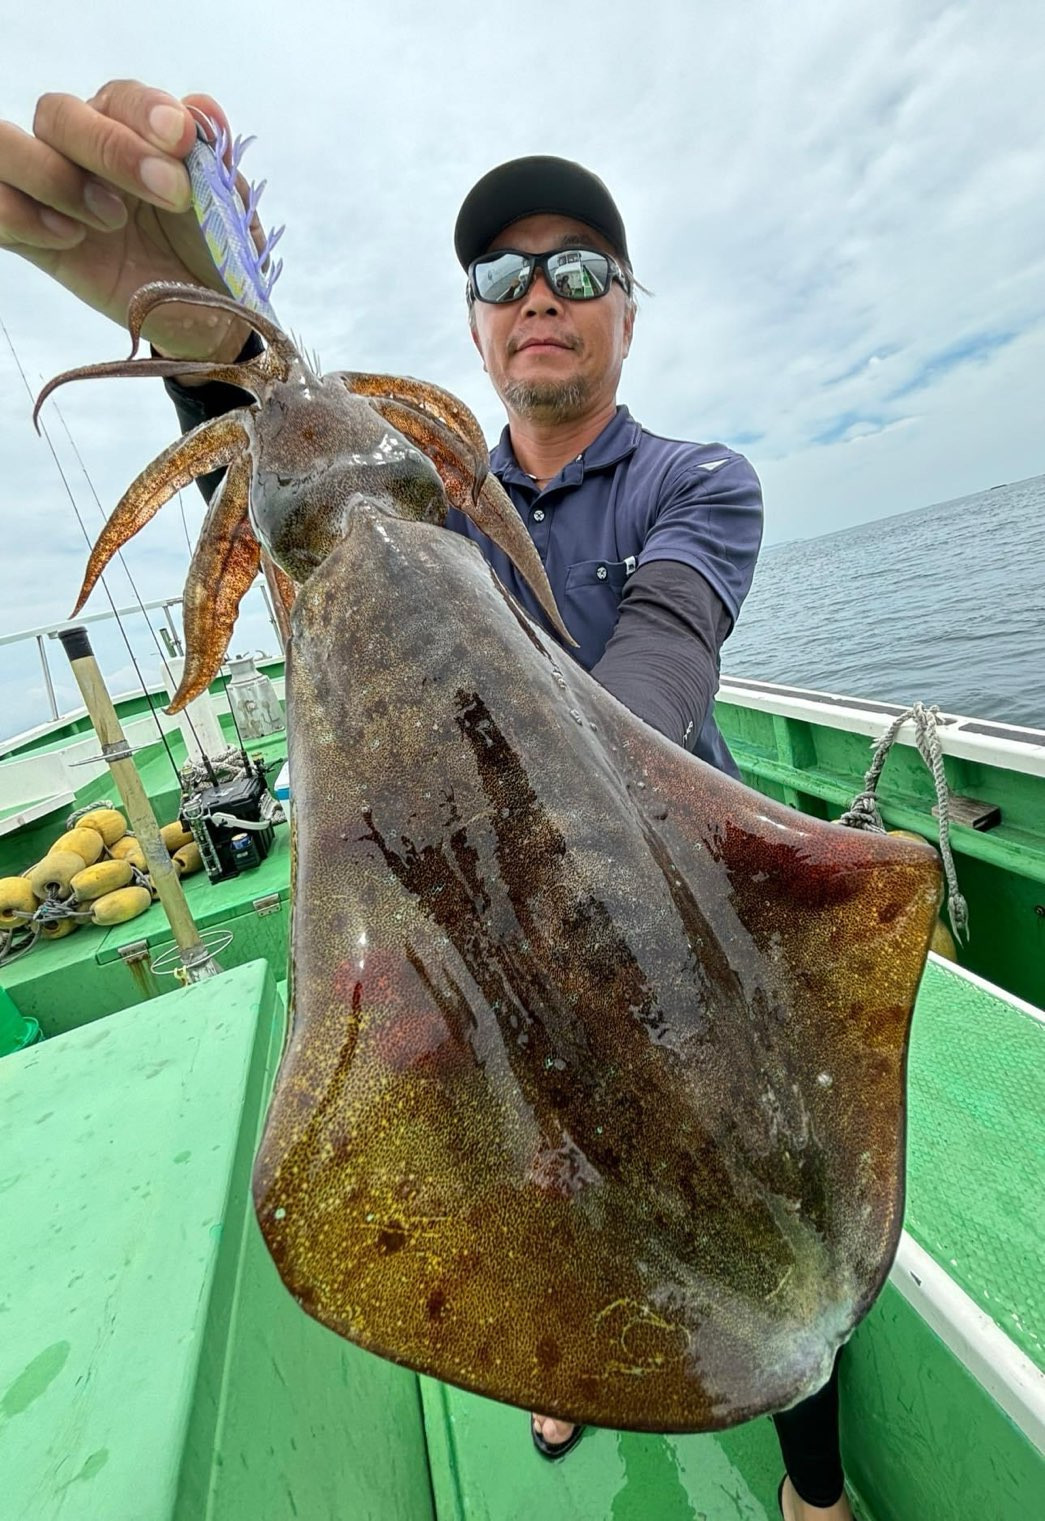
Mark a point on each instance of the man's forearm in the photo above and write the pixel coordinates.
(197, 404)
(662, 659)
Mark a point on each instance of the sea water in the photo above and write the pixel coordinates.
(944, 605)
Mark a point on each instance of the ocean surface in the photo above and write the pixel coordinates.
(944, 605)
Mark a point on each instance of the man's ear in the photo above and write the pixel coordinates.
(629, 328)
(475, 338)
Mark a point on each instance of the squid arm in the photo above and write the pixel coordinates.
(208, 447)
(222, 571)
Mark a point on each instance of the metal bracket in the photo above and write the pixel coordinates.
(120, 751)
(973, 812)
(134, 950)
(269, 904)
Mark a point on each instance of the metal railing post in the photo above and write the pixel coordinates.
(171, 625)
(47, 676)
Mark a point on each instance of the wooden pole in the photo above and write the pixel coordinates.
(196, 957)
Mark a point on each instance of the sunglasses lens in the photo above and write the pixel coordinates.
(501, 277)
(579, 274)
(575, 274)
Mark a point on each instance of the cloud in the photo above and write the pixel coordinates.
(848, 426)
(839, 209)
(976, 348)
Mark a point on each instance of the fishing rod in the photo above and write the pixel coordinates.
(141, 606)
(87, 538)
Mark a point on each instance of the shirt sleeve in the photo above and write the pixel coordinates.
(662, 657)
(198, 404)
(710, 518)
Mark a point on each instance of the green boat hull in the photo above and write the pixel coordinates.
(152, 1366)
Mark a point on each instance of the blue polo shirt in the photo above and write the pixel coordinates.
(630, 498)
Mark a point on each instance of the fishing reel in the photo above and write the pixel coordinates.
(232, 819)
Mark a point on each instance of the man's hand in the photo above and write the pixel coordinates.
(98, 197)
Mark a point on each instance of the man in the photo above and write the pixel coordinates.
(649, 543)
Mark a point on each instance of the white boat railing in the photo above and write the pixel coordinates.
(52, 630)
(170, 634)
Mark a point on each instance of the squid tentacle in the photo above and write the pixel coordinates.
(162, 293)
(441, 444)
(494, 515)
(207, 447)
(252, 375)
(222, 571)
(490, 508)
(249, 376)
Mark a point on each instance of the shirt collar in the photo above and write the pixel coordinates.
(618, 439)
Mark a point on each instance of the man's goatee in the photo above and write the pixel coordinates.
(547, 400)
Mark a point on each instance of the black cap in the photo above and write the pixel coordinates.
(527, 187)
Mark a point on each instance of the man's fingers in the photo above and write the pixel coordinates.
(157, 118)
(47, 179)
(25, 224)
(123, 157)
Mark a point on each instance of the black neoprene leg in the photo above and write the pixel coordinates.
(808, 1435)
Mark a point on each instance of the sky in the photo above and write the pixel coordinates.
(839, 212)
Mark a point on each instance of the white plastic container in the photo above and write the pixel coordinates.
(253, 700)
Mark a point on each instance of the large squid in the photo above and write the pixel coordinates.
(593, 1099)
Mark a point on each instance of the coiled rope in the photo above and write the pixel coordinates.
(864, 813)
(17, 942)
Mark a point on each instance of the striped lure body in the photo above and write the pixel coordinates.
(225, 221)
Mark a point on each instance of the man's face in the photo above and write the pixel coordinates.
(552, 360)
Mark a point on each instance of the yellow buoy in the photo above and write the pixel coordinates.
(85, 842)
(16, 897)
(59, 928)
(174, 836)
(188, 859)
(942, 942)
(128, 848)
(54, 874)
(104, 877)
(116, 908)
(108, 822)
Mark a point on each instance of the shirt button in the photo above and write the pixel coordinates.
(538, 514)
(602, 572)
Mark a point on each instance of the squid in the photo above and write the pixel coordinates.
(593, 1097)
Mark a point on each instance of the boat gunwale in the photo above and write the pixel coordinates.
(966, 738)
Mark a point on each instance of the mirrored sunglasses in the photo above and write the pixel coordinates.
(575, 274)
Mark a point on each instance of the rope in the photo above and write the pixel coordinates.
(16, 942)
(23, 937)
(81, 813)
(864, 812)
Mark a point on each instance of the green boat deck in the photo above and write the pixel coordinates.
(67, 982)
(152, 1368)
